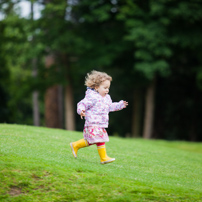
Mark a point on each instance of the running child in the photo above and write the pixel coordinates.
(95, 107)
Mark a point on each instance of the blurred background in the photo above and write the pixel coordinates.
(152, 49)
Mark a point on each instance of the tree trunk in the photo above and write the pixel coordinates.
(53, 116)
(149, 110)
(193, 119)
(36, 114)
(192, 132)
(69, 109)
(137, 113)
(35, 95)
(69, 97)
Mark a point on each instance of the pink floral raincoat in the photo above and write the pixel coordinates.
(97, 110)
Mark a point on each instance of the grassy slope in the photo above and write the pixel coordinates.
(36, 164)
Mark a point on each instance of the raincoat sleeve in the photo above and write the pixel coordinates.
(85, 104)
(115, 106)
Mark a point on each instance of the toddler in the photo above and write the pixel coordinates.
(95, 107)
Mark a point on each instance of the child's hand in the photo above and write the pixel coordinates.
(125, 104)
(82, 114)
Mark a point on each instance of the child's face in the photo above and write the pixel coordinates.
(103, 88)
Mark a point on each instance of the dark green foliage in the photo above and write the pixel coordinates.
(4, 79)
(133, 41)
(167, 42)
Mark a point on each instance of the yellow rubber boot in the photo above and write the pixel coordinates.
(75, 146)
(103, 155)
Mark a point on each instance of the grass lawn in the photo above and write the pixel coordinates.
(36, 165)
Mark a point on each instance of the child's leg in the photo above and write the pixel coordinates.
(98, 144)
(75, 146)
(103, 154)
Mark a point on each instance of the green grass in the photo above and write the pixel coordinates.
(36, 164)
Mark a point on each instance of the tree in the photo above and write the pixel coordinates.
(15, 45)
(152, 47)
(4, 78)
(35, 94)
(52, 34)
(183, 32)
(146, 29)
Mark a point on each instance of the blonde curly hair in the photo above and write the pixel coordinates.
(95, 78)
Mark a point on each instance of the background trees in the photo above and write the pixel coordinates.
(152, 49)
